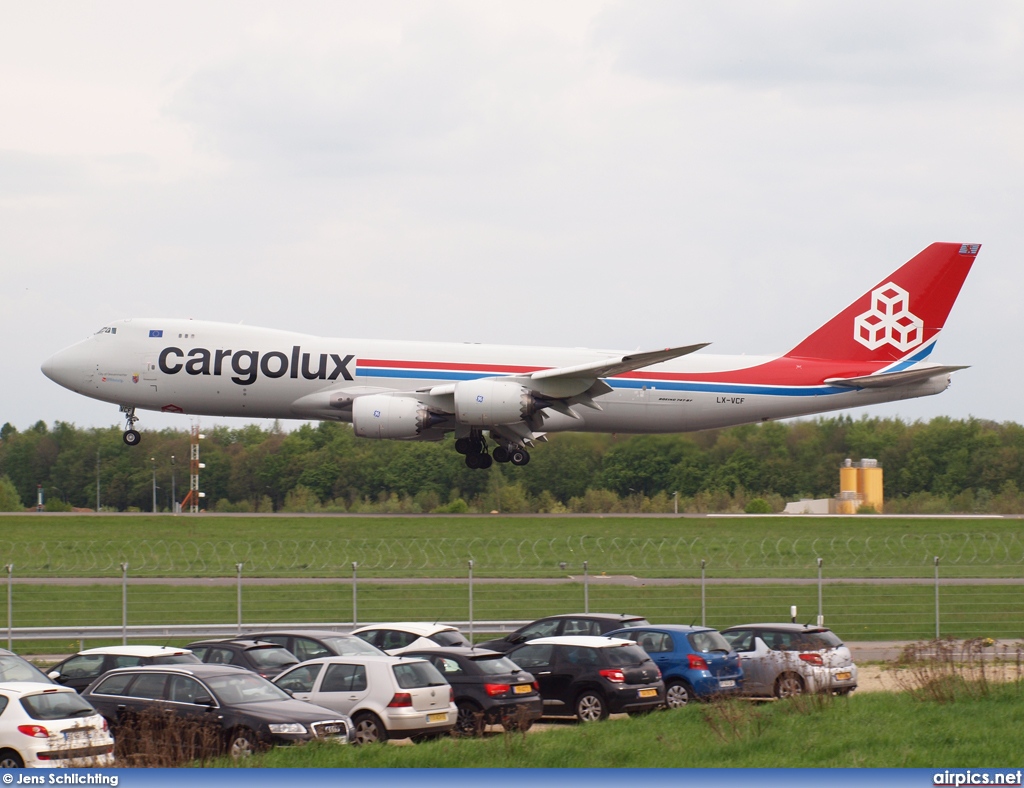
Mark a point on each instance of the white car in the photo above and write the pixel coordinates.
(82, 669)
(789, 659)
(45, 725)
(394, 638)
(386, 697)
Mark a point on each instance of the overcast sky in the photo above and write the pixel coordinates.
(625, 175)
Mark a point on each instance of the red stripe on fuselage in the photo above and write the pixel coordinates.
(784, 371)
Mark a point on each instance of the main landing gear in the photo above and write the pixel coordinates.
(475, 450)
(131, 436)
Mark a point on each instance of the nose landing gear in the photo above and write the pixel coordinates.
(131, 436)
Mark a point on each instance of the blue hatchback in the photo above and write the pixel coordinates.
(695, 662)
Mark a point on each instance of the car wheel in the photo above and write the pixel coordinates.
(677, 694)
(242, 743)
(590, 707)
(470, 721)
(788, 685)
(516, 720)
(368, 729)
(9, 759)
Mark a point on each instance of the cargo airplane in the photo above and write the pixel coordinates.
(876, 350)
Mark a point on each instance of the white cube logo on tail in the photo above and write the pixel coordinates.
(889, 321)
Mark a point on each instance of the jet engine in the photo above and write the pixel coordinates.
(387, 416)
(488, 401)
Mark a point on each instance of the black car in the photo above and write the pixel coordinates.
(490, 689)
(591, 677)
(247, 711)
(314, 643)
(80, 670)
(266, 659)
(564, 625)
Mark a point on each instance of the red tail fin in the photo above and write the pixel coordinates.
(899, 316)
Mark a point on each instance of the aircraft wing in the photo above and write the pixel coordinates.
(886, 380)
(616, 366)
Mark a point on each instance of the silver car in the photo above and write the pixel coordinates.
(386, 697)
(783, 660)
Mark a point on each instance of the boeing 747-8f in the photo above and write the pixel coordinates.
(874, 351)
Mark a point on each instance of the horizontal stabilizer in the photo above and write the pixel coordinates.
(886, 380)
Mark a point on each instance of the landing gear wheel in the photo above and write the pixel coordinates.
(500, 454)
(463, 445)
(473, 460)
(131, 437)
(485, 461)
(519, 457)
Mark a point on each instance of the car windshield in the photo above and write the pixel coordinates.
(270, 656)
(176, 659)
(623, 656)
(56, 706)
(494, 665)
(449, 637)
(708, 641)
(245, 688)
(816, 641)
(350, 646)
(411, 675)
(14, 668)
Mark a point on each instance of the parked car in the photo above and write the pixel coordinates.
(313, 643)
(397, 637)
(42, 724)
(266, 659)
(15, 668)
(246, 711)
(695, 662)
(790, 659)
(591, 677)
(490, 689)
(563, 625)
(82, 669)
(386, 697)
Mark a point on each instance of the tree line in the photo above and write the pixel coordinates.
(943, 465)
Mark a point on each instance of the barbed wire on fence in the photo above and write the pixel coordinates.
(887, 553)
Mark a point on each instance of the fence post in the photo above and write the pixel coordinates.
(470, 600)
(586, 589)
(703, 598)
(821, 613)
(355, 594)
(936, 597)
(10, 607)
(238, 604)
(124, 604)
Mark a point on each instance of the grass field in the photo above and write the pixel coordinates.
(871, 730)
(503, 546)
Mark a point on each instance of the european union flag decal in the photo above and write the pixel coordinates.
(156, 333)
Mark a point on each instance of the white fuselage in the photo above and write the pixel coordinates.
(217, 369)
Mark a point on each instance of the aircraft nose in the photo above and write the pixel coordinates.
(62, 369)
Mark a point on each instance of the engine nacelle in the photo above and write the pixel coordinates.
(387, 416)
(484, 402)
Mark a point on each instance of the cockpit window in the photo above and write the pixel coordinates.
(107, 330)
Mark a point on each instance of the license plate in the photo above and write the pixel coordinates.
(440, 716)
(522, 689)
(728, 683)
(76, 737)
(844, 676)
(648, 693)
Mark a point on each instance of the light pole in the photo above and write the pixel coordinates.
(174, 503)
(675, 502)
(153, 461)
